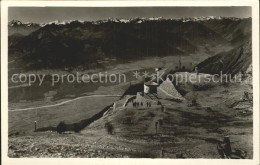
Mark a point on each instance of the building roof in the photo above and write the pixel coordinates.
(150, 83)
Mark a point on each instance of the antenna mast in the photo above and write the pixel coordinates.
(180, 62)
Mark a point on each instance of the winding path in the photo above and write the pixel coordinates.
(61, 103)
(18, 86)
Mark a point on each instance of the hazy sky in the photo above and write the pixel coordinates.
(47, 14)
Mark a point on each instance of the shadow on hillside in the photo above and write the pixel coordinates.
(76, 127)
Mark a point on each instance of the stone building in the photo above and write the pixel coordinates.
(150, 87)
(146, 98)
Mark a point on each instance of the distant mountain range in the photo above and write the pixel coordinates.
(73, 43)
(16, 24)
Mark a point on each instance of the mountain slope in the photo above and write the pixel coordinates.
(231, 62)
(233, 31)
(58, 45)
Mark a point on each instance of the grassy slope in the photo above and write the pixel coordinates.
(23, 121)
(190, 131)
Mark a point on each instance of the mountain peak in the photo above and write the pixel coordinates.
(14, 22)
(19, 23)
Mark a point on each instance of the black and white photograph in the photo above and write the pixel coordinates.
(156, 82)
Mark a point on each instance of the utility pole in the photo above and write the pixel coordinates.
(35, 125)
(179, 62)
(156, 127)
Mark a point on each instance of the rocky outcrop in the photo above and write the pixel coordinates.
(166, 90)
